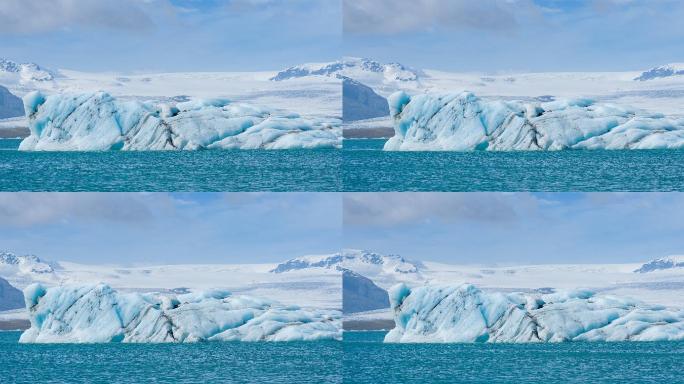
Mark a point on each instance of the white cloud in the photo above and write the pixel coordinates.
(35, 16)
(27, 209)
(388, 209)
(395, 16)
(556, 209)
(245, 5)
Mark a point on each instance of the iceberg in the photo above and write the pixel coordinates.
(100, 314)
(466, 314)
(98, 121)
(465, 122)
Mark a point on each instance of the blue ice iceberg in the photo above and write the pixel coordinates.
(100, 314)
(98, 121)
(465, 122)
(464, 313)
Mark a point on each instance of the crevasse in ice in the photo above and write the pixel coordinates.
(464, 122)
(464, 313)
(98, 121)
(98, 314)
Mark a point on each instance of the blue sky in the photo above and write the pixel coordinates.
(483, 228)
(457, 35)
(517, 35)
(517, 228)
(170, 35)
(130, 228)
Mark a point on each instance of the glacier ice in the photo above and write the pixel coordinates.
(464, 313)
(98, 314)
(98, 121)
(397, 293)
(464, 122)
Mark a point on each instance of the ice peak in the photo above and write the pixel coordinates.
(10, 258)
(351, 67)
(27, 263)
(669, 262)
(667, 70)
(9, 66)
(356, 260)
(26, 71)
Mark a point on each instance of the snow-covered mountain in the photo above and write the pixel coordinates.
(27, 263)
(662, 96)
(22, 270)
(365, 262)
(667, 70)
(360, 294)
(360, 102)
(314, 96)
(10, 105)
(10, 297)
(317, 280)
(360, 69)
(26, 72)
(321, 288)
(661, 287)
(664, 263)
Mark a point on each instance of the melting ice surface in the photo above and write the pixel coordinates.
(463, 313)
(463, 122)
(98, 314)
(98, 121)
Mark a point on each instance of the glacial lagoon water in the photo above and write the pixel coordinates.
(368, 360)
(367, 168)
(197, 171)
(361, 166)
(361, 358)
(229, 362)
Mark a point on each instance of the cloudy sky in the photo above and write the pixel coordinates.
(129, 228)
(517, 35)
(170, 35)
(457, 35)
(517, 228)
(481, 228)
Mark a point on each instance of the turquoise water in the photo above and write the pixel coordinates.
(367, 168)
(367, 360)
(361, 358)
(227, 171)
(297, 362)
(361, 166)
(9, 144)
